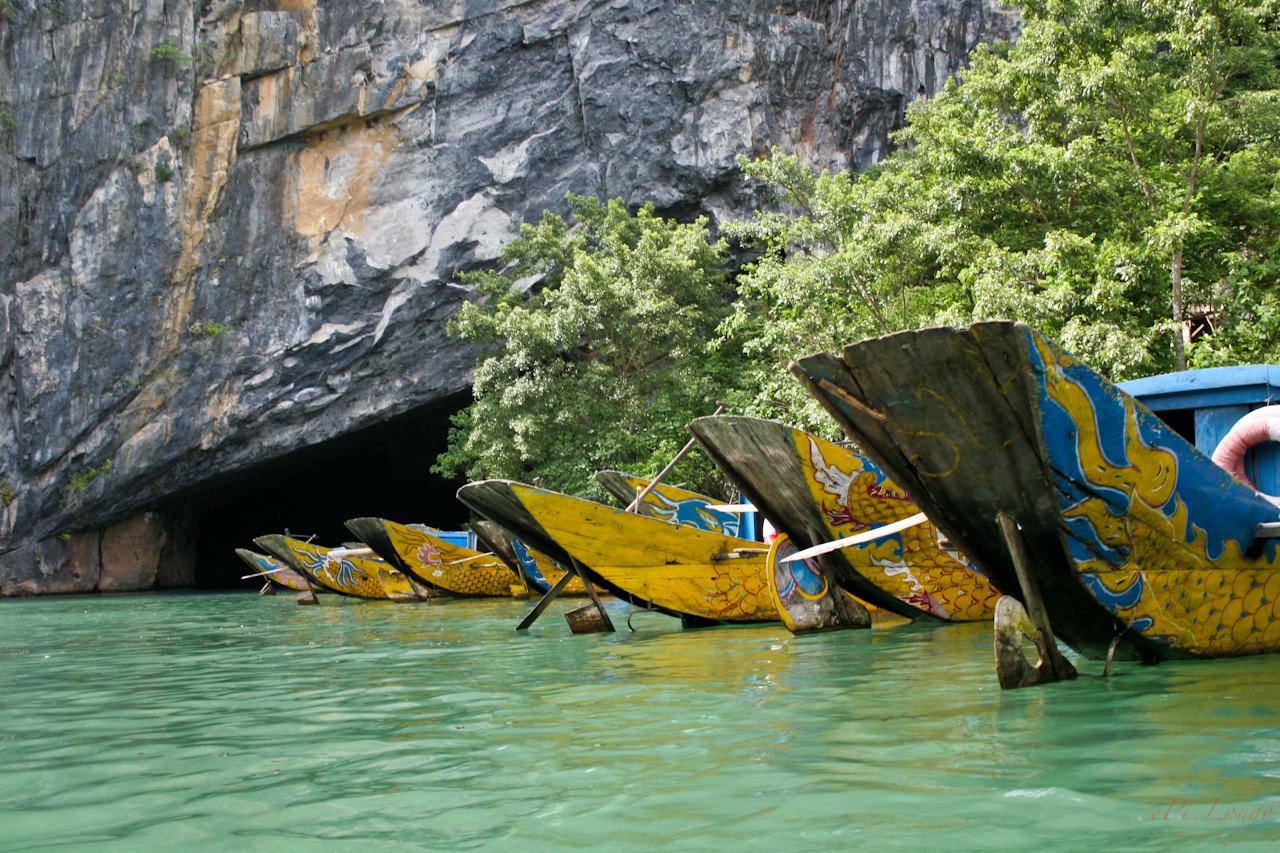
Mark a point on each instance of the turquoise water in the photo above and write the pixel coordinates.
(227, 722)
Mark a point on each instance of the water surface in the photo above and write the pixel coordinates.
(228, 722)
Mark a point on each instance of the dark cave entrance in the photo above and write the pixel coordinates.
(383, 470)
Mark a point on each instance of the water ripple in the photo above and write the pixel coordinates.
(212, 722)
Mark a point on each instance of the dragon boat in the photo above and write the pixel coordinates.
(351, 575)
(441, 564)
(816, 491)
(498, 502)
(1134, 542)
(281, 577)
(658, 564)
(539, 571)
(671, 503)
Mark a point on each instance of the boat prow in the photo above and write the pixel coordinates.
(815, 492)
(274, 570)
(498, 501)
(1134, 535)
(347, 575)
(693, 572)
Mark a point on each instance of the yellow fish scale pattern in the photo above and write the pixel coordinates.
(1166, 586)
(430, 557)
(352, 575)
(728, 590)
(854, 496)
(668, 564)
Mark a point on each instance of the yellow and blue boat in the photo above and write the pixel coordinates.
(816, 491)
(678, 569)
(347, 574)
(456, 569)
(1140, 544)
(280, 576)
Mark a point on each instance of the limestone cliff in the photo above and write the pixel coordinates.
(231, 228)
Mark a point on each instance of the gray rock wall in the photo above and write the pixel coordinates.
(230, 229)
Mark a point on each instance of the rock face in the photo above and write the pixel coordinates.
(232, 228)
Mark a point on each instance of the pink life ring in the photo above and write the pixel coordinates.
(1254, 428)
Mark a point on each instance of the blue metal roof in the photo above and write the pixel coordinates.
(1207, 388)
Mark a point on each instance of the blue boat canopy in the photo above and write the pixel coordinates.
(1250, 384)
(1203, 405)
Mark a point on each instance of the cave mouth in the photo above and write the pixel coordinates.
(383, 470)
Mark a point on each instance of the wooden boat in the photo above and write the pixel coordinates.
(673, 504)
(1132, 535)
(453, 568)
(815, 491)
(347, 575)
(280, 576)
(497, 501)
(538, 570)
(682, 569)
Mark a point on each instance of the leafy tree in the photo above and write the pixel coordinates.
(602, 339)
(1114, 168)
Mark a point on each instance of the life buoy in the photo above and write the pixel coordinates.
(1254, 428)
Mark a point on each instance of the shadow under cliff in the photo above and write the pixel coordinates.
(384, 470)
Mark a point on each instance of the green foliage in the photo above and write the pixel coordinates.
(66, 535)
(163, 172)
(7, 120)
(1114, 169)
(209, 331)
(7, 492)
(7, 10)
(169, 52)
(80, 481)
(603, 349)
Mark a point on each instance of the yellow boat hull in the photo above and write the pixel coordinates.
(439, 563)
(683, 569)
(349, 575)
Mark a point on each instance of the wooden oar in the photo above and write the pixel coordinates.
(349, 552)
(260, 574)
(864, 536)
(465, 559)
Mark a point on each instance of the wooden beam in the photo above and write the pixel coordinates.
(1052, 666)
(551, 596)
(349, 552)
(591, 590)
